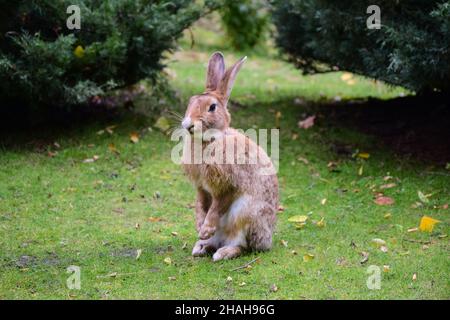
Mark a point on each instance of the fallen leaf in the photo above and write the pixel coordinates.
(307, 123)
(298, 219)
(90, 160)
(242, 284)
(427, 224)
(346, 76)
(388, 186)
(162, 124)
(113, 148)
(79, 52)
(168, 261)
(365, 256)
(137, 226)
(284, 243)
(378, 242)
(422, 197)
(323, 201)
(414, 277)
(384, 201)
(413, 229)
(302, 159)
(387, 178)
(361, 170)
(384, 249)
(273, 288)
(386, 268)
(363, 155)
(229, 279)
(321, 223)
(277, 119)
(172, 278)
(138, 253)
(294, 136)
(174, 233)
(308, 257)
(110, 129)
(154, 219)
(294, 252)
(387, 215)
(134, 137)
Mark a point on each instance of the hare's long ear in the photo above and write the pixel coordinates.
(226, 84)
(216, 69)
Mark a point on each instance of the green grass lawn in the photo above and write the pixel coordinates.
(121, 217)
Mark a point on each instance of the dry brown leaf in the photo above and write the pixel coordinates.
(388, 186)
(113, 148)
(302, 159)
(134, 137)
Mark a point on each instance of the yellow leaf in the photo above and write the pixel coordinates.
(300, 225)
(363, 155)
(79, 52)
(168, 261)
(298, 219)
(321, 223)
(308, 257)
(427, 224)
(346, 76)
(134, 137)
(162, 124)
(388, 215)
(378, 242)
(386, 268)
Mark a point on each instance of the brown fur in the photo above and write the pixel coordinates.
(236, 206)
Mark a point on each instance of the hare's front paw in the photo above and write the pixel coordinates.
(206, 231)
(200, 248)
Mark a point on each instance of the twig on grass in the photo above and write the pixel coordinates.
(245, 265)
(417, 241)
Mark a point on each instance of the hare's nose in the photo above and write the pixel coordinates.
(187, 123)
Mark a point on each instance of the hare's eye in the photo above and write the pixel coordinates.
(212, 107)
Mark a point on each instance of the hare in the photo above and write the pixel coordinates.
(236, 204)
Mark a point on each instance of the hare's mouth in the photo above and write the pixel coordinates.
(191, 129)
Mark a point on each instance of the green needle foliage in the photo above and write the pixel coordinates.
(411, 48)
(120, 42)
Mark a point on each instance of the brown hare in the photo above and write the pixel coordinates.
(236, 203)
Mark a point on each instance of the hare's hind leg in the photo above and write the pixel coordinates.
(261, 228)
(227, 252)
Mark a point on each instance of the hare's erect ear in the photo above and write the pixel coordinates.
(226, 84)
(216, 69)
